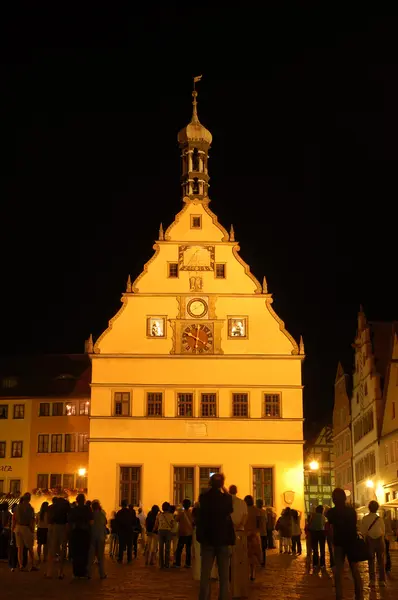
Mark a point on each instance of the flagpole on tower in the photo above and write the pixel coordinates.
(195, 80)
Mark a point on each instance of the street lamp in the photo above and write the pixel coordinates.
(370, 484)
(82, 472)
(314, 465)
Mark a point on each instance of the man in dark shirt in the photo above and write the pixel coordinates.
(215, 532)
(343, 520)
(124, 523)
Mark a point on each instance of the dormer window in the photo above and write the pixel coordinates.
(196, 222)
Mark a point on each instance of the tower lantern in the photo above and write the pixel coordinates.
(194, 141)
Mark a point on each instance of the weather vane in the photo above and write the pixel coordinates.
(195, 80)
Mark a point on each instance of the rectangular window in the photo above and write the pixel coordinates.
(156, 327)
(122, 404)
(154, 404)
(393, 457)
(82, 442)
(81, 483)
(19, 411)
(325, 455)
(42, 482)
(220, 271)
(15, 487)
(3, 411)
(43, 443)
(1, 486)
(55, 481)
(313, 479)
(68, 481)
(208, 405)
(196, 222)
(237, 328)
(393, 410)
(173, 270)
(84, 408)
(130, 485)
(263, 486)
(56, 442)
(58, 409)
(204, 476)
(386, 457)
(240, 405)
(70, 445)
(44, 409)
(183, 484)
(2, 449)
(326, 479)
(16, 449)
(184, 405)
(272, 406)
(70, 409)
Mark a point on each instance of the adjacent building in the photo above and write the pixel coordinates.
(388, 489)
(44, 424)
(196, 373)
(342, 433)
(319, 478)
(373, 348)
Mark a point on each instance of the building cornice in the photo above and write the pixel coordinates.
(204, 357)
(198, 385)
(193, 441)
(196, 419)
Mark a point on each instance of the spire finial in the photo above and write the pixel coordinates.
(195, 118)
(161, 232)
(265, 285)
(301, 348)
(128, 286)
(232, 234)
(89, 345)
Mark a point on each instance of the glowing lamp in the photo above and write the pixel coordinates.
(370, 483)
(314, 465)
(82, 472)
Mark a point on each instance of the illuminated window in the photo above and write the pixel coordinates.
(3, 411)
(196, 222)
(220, 271)
(185, 405)
(58, 409)
(68, 481)
(208, 405)
(2, 449)
(82, 442)
(70, 442)
(173, 270)
(272, 406)
(56, 442)
(16, 449)
(183, 484)
(84, 407)
(42, 481)
(237, 327)
(156, 327)
(130, 485)
(263, 485)
(70, 409)
(154, 404)
(43, 443)
(55, 481)
(122, 404)
(44, 409)
(204, 477)
(240, 405)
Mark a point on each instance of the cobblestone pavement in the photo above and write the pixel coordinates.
(284, 578)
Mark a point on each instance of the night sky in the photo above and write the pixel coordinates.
(302, 106)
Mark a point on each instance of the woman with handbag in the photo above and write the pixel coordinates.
(343, 519)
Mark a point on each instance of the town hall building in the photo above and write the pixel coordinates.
(196, 373)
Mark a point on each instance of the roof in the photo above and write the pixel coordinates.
(382, 335)
(45, 375)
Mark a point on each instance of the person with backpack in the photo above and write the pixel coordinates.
(373, 530)
(164, 525)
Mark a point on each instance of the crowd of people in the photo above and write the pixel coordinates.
(224, 537)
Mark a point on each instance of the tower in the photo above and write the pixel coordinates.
(194, 141)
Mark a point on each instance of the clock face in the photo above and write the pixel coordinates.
(197, 307)
(197, 339)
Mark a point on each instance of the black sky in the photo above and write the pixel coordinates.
(302, 106)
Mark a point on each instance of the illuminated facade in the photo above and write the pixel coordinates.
(196, 373)
(319, 479)
(389, 441)
(372, 345)
(342, 433)
(44, 428)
